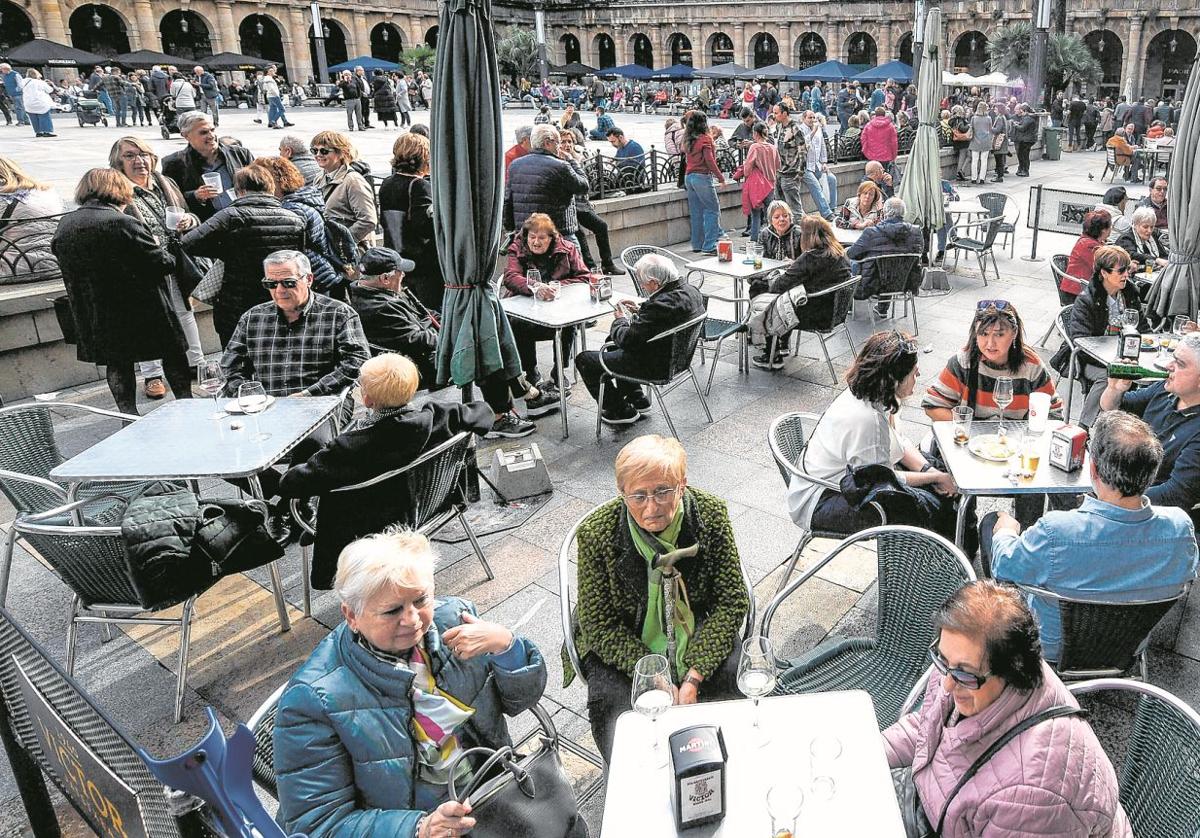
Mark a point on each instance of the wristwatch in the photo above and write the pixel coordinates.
(694, 680)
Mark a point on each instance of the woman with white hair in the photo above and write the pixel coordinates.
(620, 616)
(369, 727)
(1144, 244)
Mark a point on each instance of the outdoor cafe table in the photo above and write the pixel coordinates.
(182, 441)
(847, 235)
(573, 308)
(740, 272)
(976, 477)
(638, 798)
(1103, 350)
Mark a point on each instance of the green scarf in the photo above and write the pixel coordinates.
(654, 627)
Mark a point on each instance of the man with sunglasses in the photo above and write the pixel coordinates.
(1116, 546)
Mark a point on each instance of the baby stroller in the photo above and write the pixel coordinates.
(89, 110)
(168, 117)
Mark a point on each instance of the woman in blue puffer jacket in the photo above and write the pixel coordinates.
(368, 728)
(307, 202)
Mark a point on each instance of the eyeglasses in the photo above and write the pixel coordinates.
(319, 150)
(290, 282)
(134, 155)
(659, 496)
(970, 680)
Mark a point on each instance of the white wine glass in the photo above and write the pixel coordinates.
(210, 378)
(757, 673)
(1003, 396)
(653, 692)
(824, 750)
(252, 399)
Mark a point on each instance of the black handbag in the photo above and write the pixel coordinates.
(511, 794)
(232, 537)
(912, 813)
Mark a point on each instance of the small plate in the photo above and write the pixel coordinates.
(988, 447)
(232, 406)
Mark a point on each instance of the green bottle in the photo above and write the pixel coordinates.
(1133, 372)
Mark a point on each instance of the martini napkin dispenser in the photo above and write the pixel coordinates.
(698, 775)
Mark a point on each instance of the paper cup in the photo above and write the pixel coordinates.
(212, 179)
(174, 216)
(1039, 412)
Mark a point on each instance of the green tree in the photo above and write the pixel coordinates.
(418, 58)
(516, 53)
(1068, 60)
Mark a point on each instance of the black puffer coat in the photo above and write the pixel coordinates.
(242, 235)
(309, 205)
(540, 182)
(384, 98)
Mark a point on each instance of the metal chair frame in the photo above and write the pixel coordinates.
(1058, 270)
(429, 521)
(631, 254)
(1007, 228)
(1110, 164)
(1060, 324)
(844, 325)
(660, 387)
(793, 466)
(982, 247)
(1068, 604)
(717, 329)
(891, 260)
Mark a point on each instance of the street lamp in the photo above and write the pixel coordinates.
(259, 28)
(319, 34)
(918, 38)
(97, 21)
(1038, 41)
(539, 24)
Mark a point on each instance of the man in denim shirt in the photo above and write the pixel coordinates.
(1115, 547)
(1172, 410)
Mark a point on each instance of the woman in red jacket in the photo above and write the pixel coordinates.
(540, 247)
(703, 205)
(1080, 267)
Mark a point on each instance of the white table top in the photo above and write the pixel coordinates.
(966, 208)
(181, 440)
(1104, 350)
(573, 306)
(847, 236)
(638, 799)
(976, 476)
(737, 269)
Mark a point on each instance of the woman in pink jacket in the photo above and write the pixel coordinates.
(1052, 778)
(759, 173)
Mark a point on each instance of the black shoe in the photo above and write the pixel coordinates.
(624, 415)
(287, 124)
(613, 269)
(259, 121)
(1022, 174)
(766, 361)
(280, 528)
(545, 402)
(639, 402)
(510, 426)
(277, 127)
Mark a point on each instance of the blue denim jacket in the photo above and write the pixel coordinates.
(1099, 549)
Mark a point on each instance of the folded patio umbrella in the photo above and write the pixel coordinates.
(43, 53)
(574, 68)
(237, 61)
(676, 72)
(921, 187)
(475, 339)
(1177, 290)
(897, 70)
(825, 71)
(367, 62)
(629, 71)
(144, 59)
(728, 70)
(773, 72)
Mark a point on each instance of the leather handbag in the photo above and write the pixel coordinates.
(232, 537)
(511, 794)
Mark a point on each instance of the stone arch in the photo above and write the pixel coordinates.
(185, 33)
(111, 37)
(763, 50)
(1169, 55)
(861, 49)
(431, 36)
(904, 48)
(16, 27)
(679, 50)
(641, 48)
(569, 48)
(335, 42)
(605, 50)
(1109, 50)
(387, 41)
(719, 49)
(261, 35)
(970, 53)
(809, 49)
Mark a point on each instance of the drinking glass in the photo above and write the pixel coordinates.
(962, 416)
(1031, 455)
(824, 751)
(1179, 326)
(653, 692)
(535, 281)
(749, 257)
(555, 288)
(252, 399)
(757, 671)
(1003, 395)
(211, 379)
(784, 803)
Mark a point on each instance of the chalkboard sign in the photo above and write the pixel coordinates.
(108, 804)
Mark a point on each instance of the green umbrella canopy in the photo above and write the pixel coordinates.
(1177, 290)
(921, 188)
(475, 339)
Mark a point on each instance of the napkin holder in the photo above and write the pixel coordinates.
(698, 771)
(601, 289)
(1067, 447)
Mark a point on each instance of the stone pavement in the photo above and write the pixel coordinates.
(239, 658)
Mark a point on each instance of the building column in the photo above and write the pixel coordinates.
(1133, 56)
(740, 47)
(295, 46)
(783, 37)
(620, 45)
(660, 56)
(360, 36)
(50, 20)
(696, 35)
(227, 30)
(833, 40)
(884, 49)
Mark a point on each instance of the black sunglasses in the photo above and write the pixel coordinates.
(906, 346)
(270, 284)
(961, 677)
(321, 150)
(999, 305)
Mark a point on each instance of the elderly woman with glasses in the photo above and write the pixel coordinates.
(857, 438)
(620, 616)
(1144, 242)
(1050, 778)
(369, 729)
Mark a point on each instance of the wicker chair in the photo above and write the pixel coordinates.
(1102, 637)
(91, 561)
(897, 278)
(918, 570)
(788, 440)
(679, 344)
(981, 244)
(996, 203)
(1158, 775)
(429, 488)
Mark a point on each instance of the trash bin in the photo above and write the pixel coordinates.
(1052, 137)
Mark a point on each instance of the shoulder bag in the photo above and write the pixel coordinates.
(393, 223)
(511, 794)
(916, 825)
(231, 537)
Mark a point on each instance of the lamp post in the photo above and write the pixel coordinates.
(539, 25)
(1038, 40)
(918, 38)
(319, 44)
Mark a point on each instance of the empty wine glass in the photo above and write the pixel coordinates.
(824, 751)
(653, 692)
(757, 672)
(210, 377)
(252, 399)
(1003, 395)
(784, 802)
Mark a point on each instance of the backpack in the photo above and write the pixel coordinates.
(342, 245)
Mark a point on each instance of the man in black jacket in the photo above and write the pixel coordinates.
(892, 235)
(1025, 131)
(391, 316)
(671, 303)
(541, 182)
(204, 155)
(389, 437)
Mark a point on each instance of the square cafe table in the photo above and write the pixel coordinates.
(740, 272)
(572, 309)
(977, 477)
(182, 441)
(1103, 350)
(638, 798)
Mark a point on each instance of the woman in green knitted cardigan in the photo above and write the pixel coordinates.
(619, 617)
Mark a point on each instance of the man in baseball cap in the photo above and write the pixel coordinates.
(393, 318)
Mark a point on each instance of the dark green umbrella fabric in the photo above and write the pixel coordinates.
(921, 188)
(43, 53)
(476, 339)
(1177, 290)
(236, 61)
(144, 59)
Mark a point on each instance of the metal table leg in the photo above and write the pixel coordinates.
(562, 388)
(285, 624)
(743, 346)
(960, 523)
